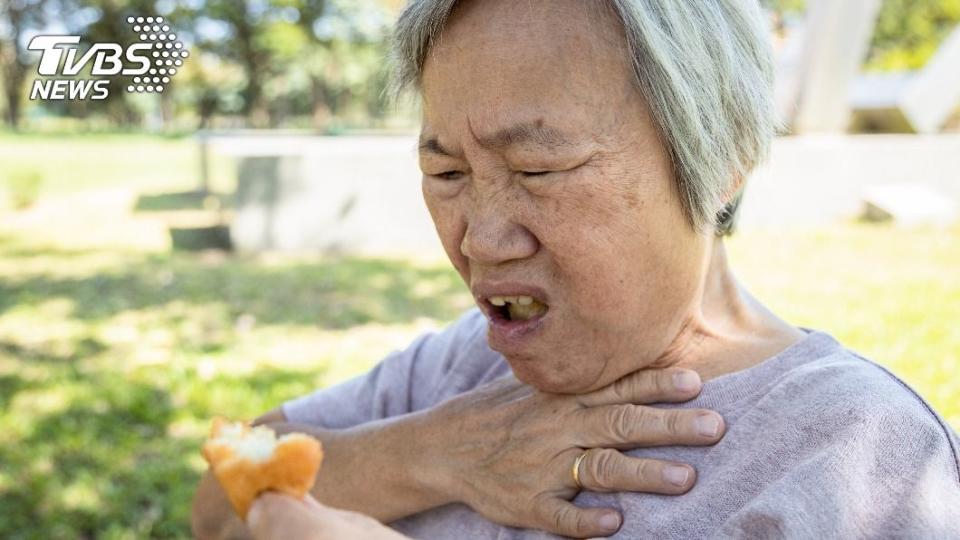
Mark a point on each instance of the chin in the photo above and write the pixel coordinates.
(549, 376)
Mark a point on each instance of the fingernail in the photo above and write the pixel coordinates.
(610, 522)
(686, 381)
(676, 475)
(707, 425)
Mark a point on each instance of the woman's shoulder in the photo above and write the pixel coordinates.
(820, 373)
(821, 442)
(843, 396)
(845, 446)
(845, 376)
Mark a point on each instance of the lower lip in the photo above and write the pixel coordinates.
(506, 335)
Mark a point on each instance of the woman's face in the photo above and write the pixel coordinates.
(552, 193)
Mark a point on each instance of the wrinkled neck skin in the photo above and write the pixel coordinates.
(726, 329)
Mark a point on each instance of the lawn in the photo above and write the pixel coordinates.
(73, 163)
(113, 362)
(115, 351)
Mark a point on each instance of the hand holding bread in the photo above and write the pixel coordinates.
(248, 461)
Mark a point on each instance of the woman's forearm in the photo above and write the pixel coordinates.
(380, 468)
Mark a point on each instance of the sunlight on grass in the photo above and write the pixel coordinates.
(73, 163)
(114, 356)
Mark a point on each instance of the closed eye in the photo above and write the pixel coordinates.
(558, 169)
(449, 175)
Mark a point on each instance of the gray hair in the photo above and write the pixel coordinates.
(705, 69)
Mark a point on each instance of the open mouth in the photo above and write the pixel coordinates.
(517, 308)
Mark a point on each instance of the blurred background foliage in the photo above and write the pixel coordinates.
(907, 34)
(257, 63)
(316, 64)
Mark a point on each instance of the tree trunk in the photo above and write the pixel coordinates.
(14, 72)
(166, 107)
(252, 60)
(13, 91)
(318, 96)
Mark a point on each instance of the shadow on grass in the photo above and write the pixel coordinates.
(60, 365)
(10, 385)
(93, 445)
(333, 293)
(111, 463)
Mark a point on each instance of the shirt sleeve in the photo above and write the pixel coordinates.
(426, 372)
(896, 477)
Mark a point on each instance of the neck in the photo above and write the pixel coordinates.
(726, 329)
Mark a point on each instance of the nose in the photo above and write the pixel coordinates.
(493, 238)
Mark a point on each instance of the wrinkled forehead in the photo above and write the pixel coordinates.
(499, 62)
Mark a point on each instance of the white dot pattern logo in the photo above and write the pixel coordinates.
(167, 52)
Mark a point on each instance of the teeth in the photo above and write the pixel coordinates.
(524, 312)
(501, 301)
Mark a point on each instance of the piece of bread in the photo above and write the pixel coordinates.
(250, 460)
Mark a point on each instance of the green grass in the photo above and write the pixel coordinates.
(111, 368)
(72, 163)
(115, 352)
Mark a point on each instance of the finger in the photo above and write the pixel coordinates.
(561, 517)
(274, 516)
(647, 386)
(349, 524)
(606, 470)
(633, 426)
(313, 503)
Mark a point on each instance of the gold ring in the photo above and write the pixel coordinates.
(576, 469)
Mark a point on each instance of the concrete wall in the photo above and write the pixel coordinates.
(817, 180)
(356, 194)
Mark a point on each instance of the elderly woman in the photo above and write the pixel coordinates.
(582, 161)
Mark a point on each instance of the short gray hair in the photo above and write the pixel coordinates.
(704, 67)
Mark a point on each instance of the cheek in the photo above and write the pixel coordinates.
(632, 281)
(450, 223)
(618, 246)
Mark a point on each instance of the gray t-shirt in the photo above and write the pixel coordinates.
(820, 443)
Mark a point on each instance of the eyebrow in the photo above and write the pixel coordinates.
(531, 132)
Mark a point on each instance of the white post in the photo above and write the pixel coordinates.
(935, 93)
(837, 36)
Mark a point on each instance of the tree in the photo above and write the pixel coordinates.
(109, 26)
(243, 24)
(344, 60)
(909, 32)
(16, 18)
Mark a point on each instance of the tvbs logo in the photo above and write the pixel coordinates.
(151, 63)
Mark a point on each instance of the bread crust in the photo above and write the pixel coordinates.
(290, 468)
